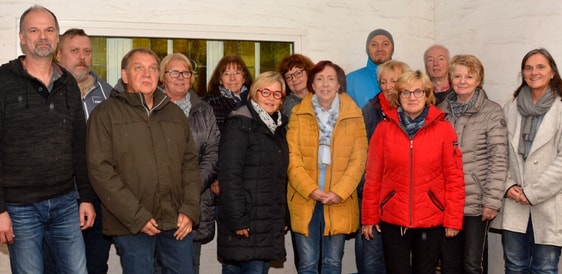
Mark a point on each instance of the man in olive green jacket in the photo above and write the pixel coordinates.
(143, 165)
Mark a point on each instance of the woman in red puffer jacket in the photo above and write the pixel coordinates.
(414, 187)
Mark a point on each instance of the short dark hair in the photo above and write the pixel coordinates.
(127, 57)
(320, 66)
(69, 34)
(34, 8)
(294, 61)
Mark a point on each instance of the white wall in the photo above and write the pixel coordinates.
(498, 32)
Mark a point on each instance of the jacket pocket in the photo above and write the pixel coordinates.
(478, 183)
(457, 154)
(386, 199)
(435, 200)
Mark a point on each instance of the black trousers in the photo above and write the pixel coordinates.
(411, 250)
(466, 253)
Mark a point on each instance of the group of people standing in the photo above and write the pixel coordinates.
(417, 165)
(446, 163)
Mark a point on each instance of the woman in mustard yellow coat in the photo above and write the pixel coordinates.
(327, 153)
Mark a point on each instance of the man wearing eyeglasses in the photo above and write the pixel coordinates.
(74, 53)
(143, 165)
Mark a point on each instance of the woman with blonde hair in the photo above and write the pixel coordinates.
(253, 160)
(176, 75)
(480, 124)
(414, 187)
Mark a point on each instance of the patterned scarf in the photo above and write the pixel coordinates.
(458, 108)
(412, 126)
(230, 94)
(326, 122)
(531, 116)
(185, 104)
(266, 118)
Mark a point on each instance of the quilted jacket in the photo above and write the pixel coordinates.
(414, 182)
(482, 134)
(349, 152)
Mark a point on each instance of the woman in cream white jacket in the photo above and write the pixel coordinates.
(532, 210)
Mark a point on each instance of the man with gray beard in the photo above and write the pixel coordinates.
(42, 154)
(74, 53)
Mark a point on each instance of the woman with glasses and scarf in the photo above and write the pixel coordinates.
(227, 91)
(253, 160)
(532, 208)
(176, 75)
(414, 186)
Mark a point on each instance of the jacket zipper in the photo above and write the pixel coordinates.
(411, 180)
(386, 199)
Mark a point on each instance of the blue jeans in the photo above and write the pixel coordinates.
(369, 255)
(522, 255)
(55, 221)
(97, 247)
(196, 256)
(316, 246)
(139, 251)
(251, 267)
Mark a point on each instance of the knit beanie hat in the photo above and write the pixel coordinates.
(379, 32)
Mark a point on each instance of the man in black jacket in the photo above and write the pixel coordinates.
(42, 150)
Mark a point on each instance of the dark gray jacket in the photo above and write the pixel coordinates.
(206, 135)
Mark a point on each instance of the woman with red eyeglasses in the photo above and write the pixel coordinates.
(253, 160)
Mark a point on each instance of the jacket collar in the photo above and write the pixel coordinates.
(137, 99)
(434, 114)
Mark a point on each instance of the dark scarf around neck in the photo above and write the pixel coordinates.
(412, 125)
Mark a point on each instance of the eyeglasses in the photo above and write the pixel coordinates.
(418, 93)
(236, 73)
(266, 93)
(176, 73)
(297, 74)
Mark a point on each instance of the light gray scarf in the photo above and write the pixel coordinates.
(185, 104)
(531, 117)
(326, 122)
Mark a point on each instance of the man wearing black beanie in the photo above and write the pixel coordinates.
(362, 84)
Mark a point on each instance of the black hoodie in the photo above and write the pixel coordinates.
(42, 137)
